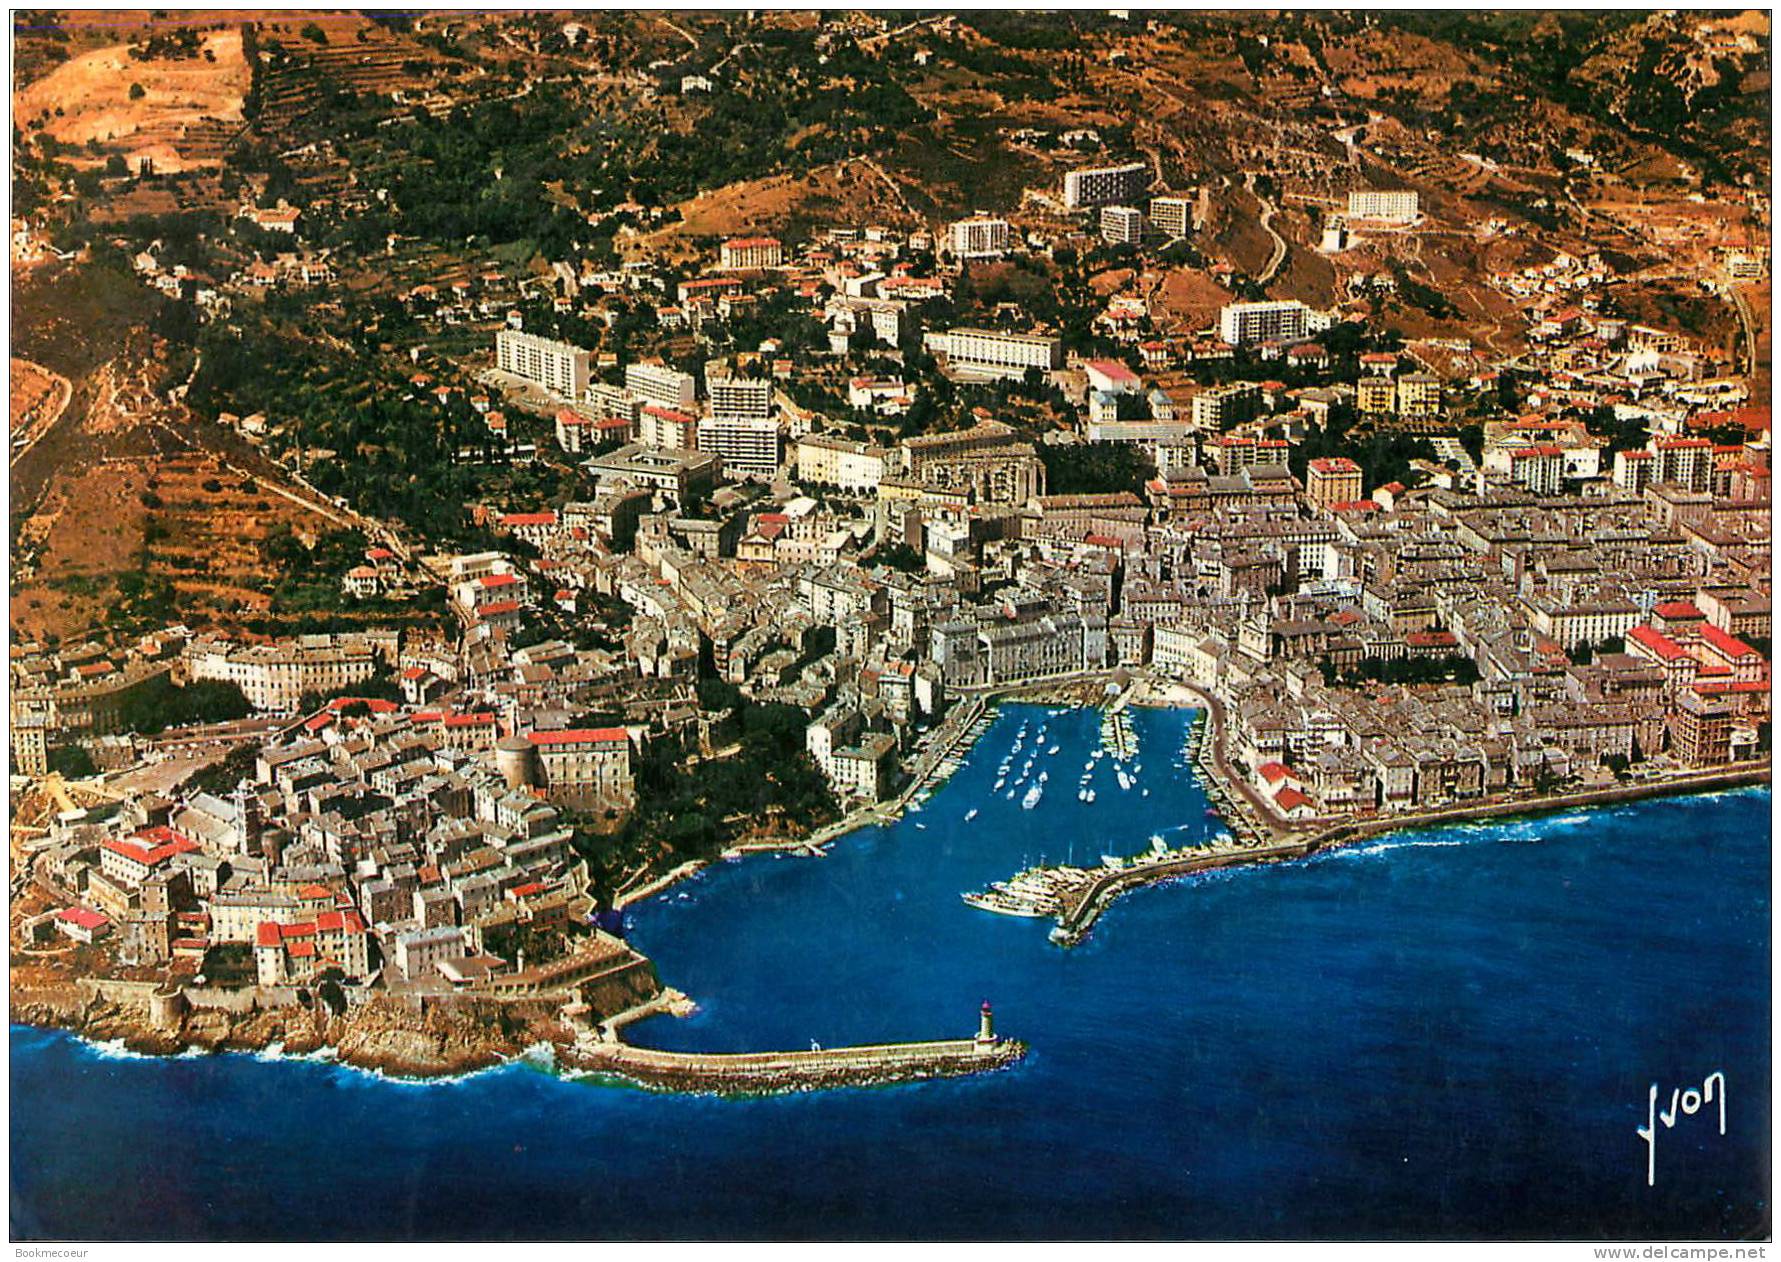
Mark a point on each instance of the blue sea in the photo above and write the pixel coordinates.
(1447, 1034)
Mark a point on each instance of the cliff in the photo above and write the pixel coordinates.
(386, 1034)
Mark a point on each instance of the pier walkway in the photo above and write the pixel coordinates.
(753, 1072)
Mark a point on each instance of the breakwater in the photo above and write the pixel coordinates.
(1086, 903)
(755, 1073)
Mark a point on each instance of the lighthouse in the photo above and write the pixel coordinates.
(986, 1025)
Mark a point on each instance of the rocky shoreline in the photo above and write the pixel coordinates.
(383, 1035)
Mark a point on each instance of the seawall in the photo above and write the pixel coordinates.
(753, 1073)
(1077, 918)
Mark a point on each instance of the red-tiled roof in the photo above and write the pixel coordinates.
(1672, 610)
(1727, 645)
(482, 718)
(1289, 799)
(152, 846)
(377, 705)
(580, 736)
(1273, 772)
(82, 918)
(1657, 642)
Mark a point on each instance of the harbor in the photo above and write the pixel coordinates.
(1074, 893)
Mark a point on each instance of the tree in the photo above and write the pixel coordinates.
(137, 92)
(72, 761)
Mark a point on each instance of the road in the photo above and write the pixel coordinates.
(1742, 306)
(1269, 210)
(62, 392)
(872, 166)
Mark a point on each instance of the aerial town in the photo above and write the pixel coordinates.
(400, 592)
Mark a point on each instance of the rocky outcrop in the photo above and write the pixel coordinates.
(410, 1040)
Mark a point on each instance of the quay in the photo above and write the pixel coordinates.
(1084, 906)
(756, 1073)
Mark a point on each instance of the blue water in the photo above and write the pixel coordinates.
(1444, 1034)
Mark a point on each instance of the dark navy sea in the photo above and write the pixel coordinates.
(1448, 1033)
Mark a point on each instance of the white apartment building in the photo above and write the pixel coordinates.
(978, 238)
(1172, 216)
(747, 253)
(1122, 225)
(988, 352)
(559, 367)
(1684, 462)
(1246, 323)
(732, 396)
(829, 461)
(1103, 186)
(657, 383)
(667, 429)
(1540, 467)
(749, 445)
(276, 676)
(1389, 206)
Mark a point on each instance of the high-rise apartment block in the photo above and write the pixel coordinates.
(1172, 216)
(992, 353)
(1389, 206)
(1122, 225)
(657, 383)
(746, 397)
(749, 445)
(559, 367)
(979, 238)
(1105, 186)
(1247, 323)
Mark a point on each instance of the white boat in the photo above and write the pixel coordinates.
(999, 784)
(1090, 797)
(1032, 798)
(1051, 751)
(1004, 905)
(1125, 781)
(1145, 792)
(1082, 795)
(970, 815)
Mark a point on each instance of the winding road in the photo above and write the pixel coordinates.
(1269, 210)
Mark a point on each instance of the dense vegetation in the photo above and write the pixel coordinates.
(694, 812)
(1092, 469)
(158, 705)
